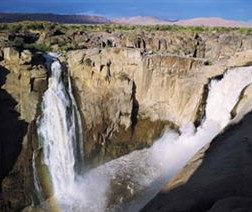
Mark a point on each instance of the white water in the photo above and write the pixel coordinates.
(127, 183)
(60, 134)
(38, 188)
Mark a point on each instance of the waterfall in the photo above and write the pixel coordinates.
(129, 182)
(38, 188)
(60, 133)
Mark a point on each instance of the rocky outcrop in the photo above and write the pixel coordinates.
(108, 102)
(124, 91)
(22, 86)
(210, 46)
(213, 44)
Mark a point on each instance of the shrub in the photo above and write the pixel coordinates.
(38, 47)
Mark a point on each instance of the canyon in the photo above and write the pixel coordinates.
(130, 88)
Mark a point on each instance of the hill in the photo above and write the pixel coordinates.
(71, 19)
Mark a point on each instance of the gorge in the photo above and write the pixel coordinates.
(142, 172)
(107, 126)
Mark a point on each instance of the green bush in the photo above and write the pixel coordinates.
(18, 42)
(4, 27)
(34, 26)
(38, 47)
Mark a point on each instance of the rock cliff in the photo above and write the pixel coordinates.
(119, 93)
(23, 81)
(124, 91)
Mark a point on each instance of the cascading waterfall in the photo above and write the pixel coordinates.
(60, 133)
(129, 182)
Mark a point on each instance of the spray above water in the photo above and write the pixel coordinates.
(129, 182)
(222, 98)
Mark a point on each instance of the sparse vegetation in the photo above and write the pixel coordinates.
(26, 26)
(46, 36)
(150, 28)
(38, 47)
(23, 26)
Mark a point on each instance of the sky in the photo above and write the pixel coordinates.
(166, 9)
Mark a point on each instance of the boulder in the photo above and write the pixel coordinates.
(11, 54)
(26, 57)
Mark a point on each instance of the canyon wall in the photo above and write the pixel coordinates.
(23, 81)
(128, 97)
(119, 93)
(129, 86)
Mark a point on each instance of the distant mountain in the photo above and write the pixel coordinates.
(213, 21)
(136, 20)
(142, 20)
(71, 19)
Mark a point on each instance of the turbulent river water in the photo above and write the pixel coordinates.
(129, 182)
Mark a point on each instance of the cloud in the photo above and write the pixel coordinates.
(94, 13)
(91, 13)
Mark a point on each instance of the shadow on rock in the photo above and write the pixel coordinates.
(12, 129)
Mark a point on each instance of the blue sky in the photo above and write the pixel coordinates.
(168, 9)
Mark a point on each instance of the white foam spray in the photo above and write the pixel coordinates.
(38, 187)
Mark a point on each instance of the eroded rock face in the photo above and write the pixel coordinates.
(124, 91)
(108, 97)
(209, 45)
(21, 90)
(11, 54)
